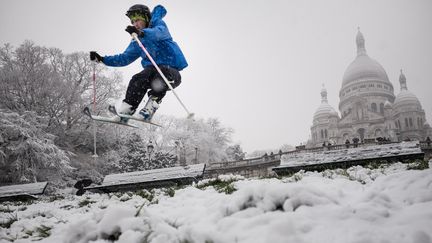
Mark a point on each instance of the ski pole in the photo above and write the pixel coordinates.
(94, 110)
(135, 36)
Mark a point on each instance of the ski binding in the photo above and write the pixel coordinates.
(107, 119)
(113, 110)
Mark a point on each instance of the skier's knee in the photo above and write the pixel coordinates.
(158, 85)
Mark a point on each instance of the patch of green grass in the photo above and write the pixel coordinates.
(219, 185)
(43, 231)
(29, 232)
(331, 174)
(56, 197)
(12, 218)
(67, 207)
(418, 165)
(6, 209)
(146, 194)
(170, 191)
(22, 208)
(298, 176)
(104, 206)
(85, 202)
(189, 241)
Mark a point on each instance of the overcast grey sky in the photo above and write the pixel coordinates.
(256, 65)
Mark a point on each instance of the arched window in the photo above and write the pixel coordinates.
(374, 107)
(382, 108)
(322, 134)
(410, 122)
(406, 122)
(398, 124)
(325, 133)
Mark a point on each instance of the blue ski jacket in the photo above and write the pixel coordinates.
(158, 42)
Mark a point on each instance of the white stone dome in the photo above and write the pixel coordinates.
(324, 110)
(364, 67)
(405, 97)
(387, 104)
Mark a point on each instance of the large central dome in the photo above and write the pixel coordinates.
(364, 79)
(363, 67)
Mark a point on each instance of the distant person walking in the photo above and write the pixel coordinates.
(347, 143)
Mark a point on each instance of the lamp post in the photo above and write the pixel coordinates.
(181, 155)
(177, 147)
(196, 155)
(150, 148)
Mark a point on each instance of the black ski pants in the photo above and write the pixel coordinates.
(150, 79)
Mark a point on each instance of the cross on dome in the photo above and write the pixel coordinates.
(402, 81)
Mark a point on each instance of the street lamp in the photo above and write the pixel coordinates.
(150, 148)
(181, 154)
(196, 155)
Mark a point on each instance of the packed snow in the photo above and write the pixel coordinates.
(359, 205)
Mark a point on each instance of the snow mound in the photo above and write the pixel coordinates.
(388, 204)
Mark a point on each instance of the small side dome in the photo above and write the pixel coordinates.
(387, 105)
(324, 110)
(405, 97)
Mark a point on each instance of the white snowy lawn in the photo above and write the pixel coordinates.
(357, 205)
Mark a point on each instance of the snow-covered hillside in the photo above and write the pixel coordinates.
(390, 204)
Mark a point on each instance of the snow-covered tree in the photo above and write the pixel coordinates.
(27, 152)
(199, 140)
(235, 152)
(54, 85)
(133, 154)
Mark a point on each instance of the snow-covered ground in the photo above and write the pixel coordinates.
(357, 205)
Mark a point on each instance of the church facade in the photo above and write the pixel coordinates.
(368, 107)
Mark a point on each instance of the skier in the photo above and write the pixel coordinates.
(155, 36)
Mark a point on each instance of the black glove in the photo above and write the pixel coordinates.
(94, 56)
(132, 29)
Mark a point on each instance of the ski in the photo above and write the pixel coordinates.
(113, 110)
(106, 119)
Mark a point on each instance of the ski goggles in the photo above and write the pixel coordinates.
(137, 16)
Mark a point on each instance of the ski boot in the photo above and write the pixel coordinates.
(149, 109)
(126, 109)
